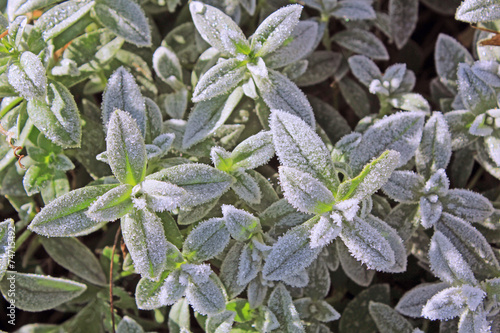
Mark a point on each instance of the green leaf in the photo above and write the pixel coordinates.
(206, 297)
(35, 292)
(355, 317)
(387, 319)
(57, 117)
(171, 229)
(207, 240)
(253, 152)
(66, 215)
(143, 234)
(73, 255)
(167, 66)
(126, 150)
(7, 244)
(371, 178)
(126, 19)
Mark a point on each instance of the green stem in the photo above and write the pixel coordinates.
(327, 43)
(475, 179)
(10, 106)
(385, 107)
(21, 239)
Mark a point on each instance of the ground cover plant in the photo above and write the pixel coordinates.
(250, 166)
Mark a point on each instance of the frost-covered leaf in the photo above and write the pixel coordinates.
(410, 102)
(151, 295)
(434, 151)
(275, 29)
(36, 292)
(179, 317)
(201, 182)
(255, 151)
(57, 117)
(240, 224)
(388, 320)
(282, 213)
(447, 263)
(320, 66)
(219, 79)
(220, 323)
(413, 301)
(207, 240)
(353, 10)
(404, 16)
(154, 124)
(404, 186)
(246, 187)
(20, 7)
(291, 253)
(355, 96)
(7, 235)
(394, 240)
(475, 11)
(477, 96)
(218, 29)
(61, 17)
(458, 123)
(400, 132)
(75, 257)
(128, 325)
(230, 270)
(367, 244)
(28, 76)
(364, 69)
(145, 238)
(492, 147)
(362, 42)
(175, 104)
(371, 178)
(299, 147)
(468, 205)
(445, 305)
(206, 297)
(305, 192)
(66, 215)
(123, 93)
(471, 244)
(208, 116)
(126, 19)
(282, 94)
(280, 303)
(125, 149)
(474, 321)
(301, 43)
(324, 231)
(449, 53)
(112, 205)
(354, 269)
(161, 196)
(319, 279)
(249, 265)
(167, 66)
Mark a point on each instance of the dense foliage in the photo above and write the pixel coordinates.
(245, 205)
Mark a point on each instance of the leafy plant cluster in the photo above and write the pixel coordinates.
(173, 130)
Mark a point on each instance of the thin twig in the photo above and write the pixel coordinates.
(111, 279)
